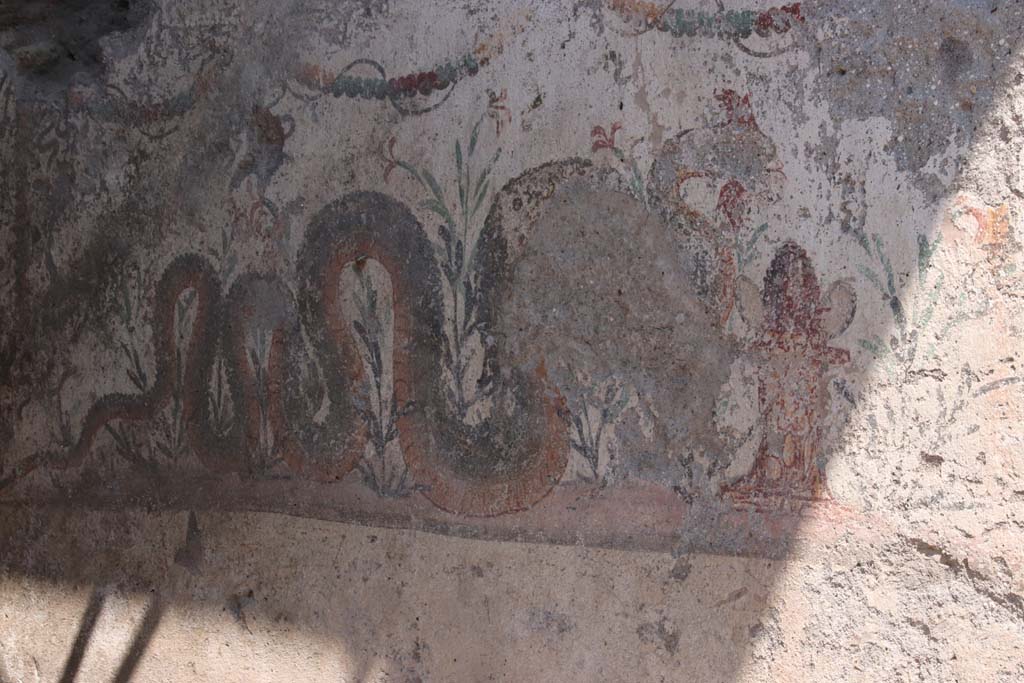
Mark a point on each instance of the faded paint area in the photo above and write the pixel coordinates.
(644, 349)
(588, 340)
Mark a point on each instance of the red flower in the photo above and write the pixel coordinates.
(794, 10)
(497, 110)
(774, 19)
(389, 157)
(730, 199)
(738, 110)
(602, 139)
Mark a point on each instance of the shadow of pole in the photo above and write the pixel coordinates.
(85, 629)
(143, 636)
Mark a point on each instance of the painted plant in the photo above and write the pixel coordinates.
(457, 257)
(795, 325)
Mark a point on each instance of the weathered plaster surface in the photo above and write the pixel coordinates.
(579, 340)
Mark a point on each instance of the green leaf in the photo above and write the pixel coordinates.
(933, 297)
(925, 251)
(873, 277)
(474, 135)
(620, 405)
(747, 250)
(482, 179)
(480, 198)
(877, 239)
(635, 184)
(862, 240)
(411, 170)
(890, 277)
(753, 238)
(871, 346)
(458, 170)
(434, 187)
(437, 208)
(126, 305)
(118, 437)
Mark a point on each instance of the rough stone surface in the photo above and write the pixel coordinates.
(560, 340)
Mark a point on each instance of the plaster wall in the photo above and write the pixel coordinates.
(562, 340)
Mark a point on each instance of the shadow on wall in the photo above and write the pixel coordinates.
(138, 644)
(600, 357)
